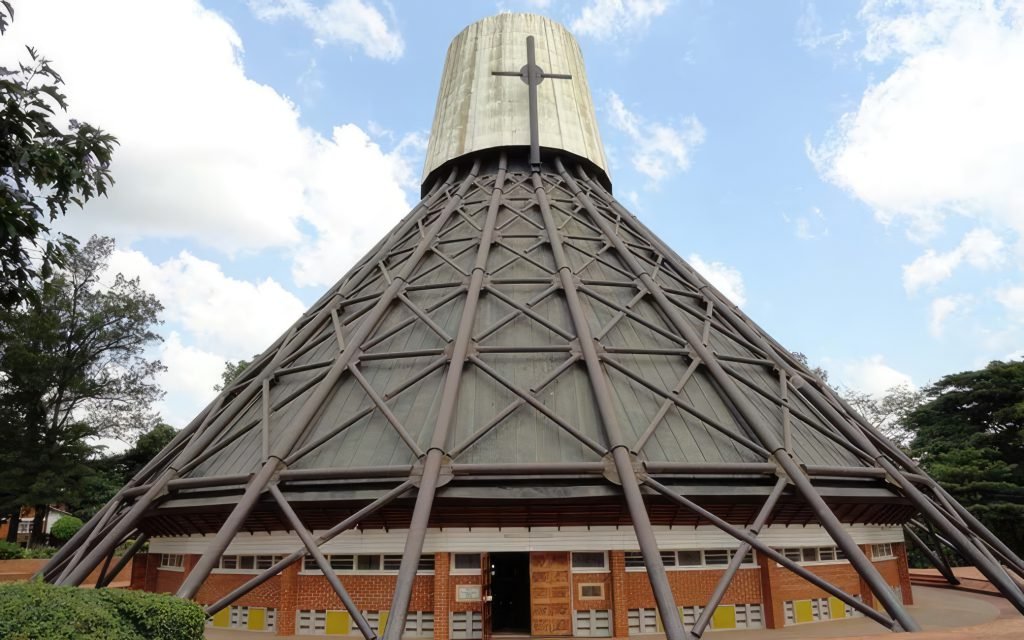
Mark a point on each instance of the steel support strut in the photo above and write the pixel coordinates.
(934, 558)
(861, 433)
(750, 417)
(723, 583)
(609, 420)
(297, 428)
(445, 418)
(321, 562)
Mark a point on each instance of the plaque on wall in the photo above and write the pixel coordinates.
(467, 593)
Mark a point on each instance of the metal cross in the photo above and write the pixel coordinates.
(533, 75)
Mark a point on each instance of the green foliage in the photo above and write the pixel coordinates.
(231, 371)
(45, 167)
(39, 553)
(969, 436)
(38, 611)
(66, 527)
(10, 550)
(73, 367)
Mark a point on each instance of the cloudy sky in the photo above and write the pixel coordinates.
(849, 172)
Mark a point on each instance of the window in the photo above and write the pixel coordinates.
(591, 561)
(591, 591)
(689, 559)
(348, 563)
(466, 563)
(634, 560)
(174, 561)
(25, 527)
(813, 554)
(882, 551)
(367, 563)
(592, 623)
(250, 563)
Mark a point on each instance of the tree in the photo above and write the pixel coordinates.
(73, 366)
(231, 371)
(889, 412)
(66, 527)
(45, 167)
(969, 436)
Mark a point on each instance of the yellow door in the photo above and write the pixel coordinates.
(724, 617)
(382, 622)
(257, 618)
(222, 618)
(339, 623)
(802, 611)
(836, 608)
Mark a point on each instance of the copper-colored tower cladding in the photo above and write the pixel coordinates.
(521, 351)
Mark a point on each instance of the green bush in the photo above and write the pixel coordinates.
(65, 527)
(9, 550)
(38, 552)
(39, 611)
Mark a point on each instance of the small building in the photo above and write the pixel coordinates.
(27, 520)
(523, 413)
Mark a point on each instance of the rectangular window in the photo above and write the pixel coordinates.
(591, 591)
(265, 562)
(25, 527)
(634, 560)
(589, 561)
(309, 564)
(246, 562)
(172, 561)
(793, 554)
(882, 551)
(690, 559)
(466, 563)
(368, 563)
(826, 554)
(426, 563)
(810, 554)
(716, 557)
(392, 562)
(342, 562)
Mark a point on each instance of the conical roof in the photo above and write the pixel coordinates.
(521, 349)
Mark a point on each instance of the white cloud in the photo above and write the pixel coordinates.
(189, 379)
(811, 34)
(345, 21)
(941, 135)
(980, 248)
(810, 226)
(941, 309)
(726, 279)
(1013, 299)
(207, 153)
(606, 19)
(231, 317)
(658, 149)
(870, 375)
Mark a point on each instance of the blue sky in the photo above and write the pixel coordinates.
(851, 172)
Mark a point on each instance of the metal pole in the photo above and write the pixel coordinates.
(750, 416)
(128, 555)
(295, 430)
(936, 561)
(445, 417)
(609, 420)
(321, 562)
(532, 82)
(765, 550)
(734, 565)
(323, 538)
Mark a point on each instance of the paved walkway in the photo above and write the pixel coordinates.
(945, 614)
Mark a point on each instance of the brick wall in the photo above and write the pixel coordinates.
(443, 595)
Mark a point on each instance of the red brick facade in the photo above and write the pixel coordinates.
(769, 584)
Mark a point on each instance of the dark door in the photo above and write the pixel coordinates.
(510, 592)
(485, 591)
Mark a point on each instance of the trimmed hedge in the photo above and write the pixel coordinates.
(10, 551)
(66, 527)
(39, 611)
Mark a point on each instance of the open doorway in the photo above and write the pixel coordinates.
(510, 591)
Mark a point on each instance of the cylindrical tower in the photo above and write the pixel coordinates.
(523, 412)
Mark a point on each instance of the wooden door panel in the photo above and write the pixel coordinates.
(550, 594)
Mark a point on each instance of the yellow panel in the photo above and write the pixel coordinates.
(802, 611)
(724, 617)
(222, 618)
(836, 608)
(383, 623)
(339, 623)
(257, 618)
